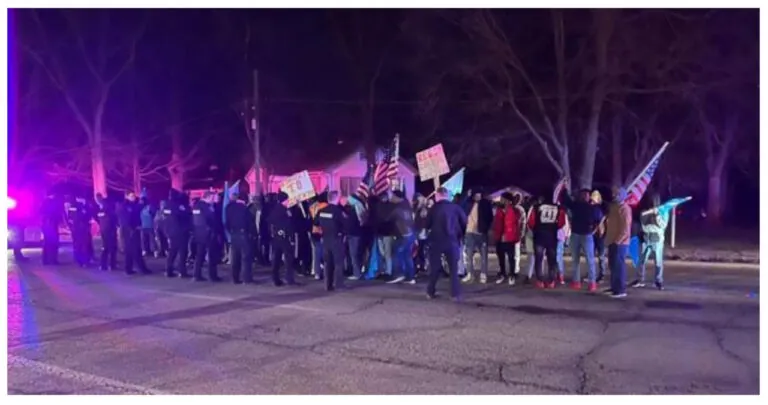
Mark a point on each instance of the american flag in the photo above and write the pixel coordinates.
(364, 189)
(387, 169)
(636, 190)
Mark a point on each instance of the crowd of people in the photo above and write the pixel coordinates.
(339, 239)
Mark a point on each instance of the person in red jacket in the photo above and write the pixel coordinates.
(508, 228)
(544, 221)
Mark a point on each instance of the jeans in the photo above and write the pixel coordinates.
(475, 242)
(148, 245)
(541, 251)
(317, 258)
(403, 248)
(385, 247)
(559, 257)
(584, 243)
(657, 248)
(617, 261)
(355, 255)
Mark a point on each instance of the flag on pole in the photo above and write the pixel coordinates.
(456, 183)
(559, 187)
(364, 188)
(387, 169)
(638, 187)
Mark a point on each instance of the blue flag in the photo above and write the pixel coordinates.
(456, 183)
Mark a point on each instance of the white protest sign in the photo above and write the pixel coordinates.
(298, 187)
(432, 163)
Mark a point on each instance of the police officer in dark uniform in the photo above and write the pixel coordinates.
(162, 238)
(52, 211)
(331, 219)
(107, 219)
(446, 224)
(255, 209)
(206, 229)
(177, 225)
(78, 220)
(240, 225)
(281, 220)
(129, 217)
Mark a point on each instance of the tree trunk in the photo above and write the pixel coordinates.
(616, 154)
(176, 165)
(97, 166)
(715, 197)
(604, 20)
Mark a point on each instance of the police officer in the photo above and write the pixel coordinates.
(78, 220)
(267, 203)
(240, 227)
(206, 229)
(177, 226)
(281, 221)
(107, 219)
(51, 218)
(446, 223)
(129, 217)
(331, 220)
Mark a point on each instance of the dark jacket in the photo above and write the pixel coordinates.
(385, 219)
(585, 216)
(402, 218)
(484, 214)
(352, 225)
(446, 223)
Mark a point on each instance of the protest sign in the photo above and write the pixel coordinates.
(432, 163)
(298, 187)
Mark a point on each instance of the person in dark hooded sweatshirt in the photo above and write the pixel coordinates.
(446, 224)
(178, 223)
(585, 218)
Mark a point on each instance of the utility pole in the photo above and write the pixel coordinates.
(256, 132)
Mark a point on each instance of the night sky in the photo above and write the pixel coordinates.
(311, 63)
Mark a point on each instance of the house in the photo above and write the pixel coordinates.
(343, 176)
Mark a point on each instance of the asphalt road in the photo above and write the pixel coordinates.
(81, 331)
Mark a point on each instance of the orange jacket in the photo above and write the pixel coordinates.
(313, 213)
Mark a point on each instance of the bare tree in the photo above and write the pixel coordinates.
(104, 63)
(136, 161)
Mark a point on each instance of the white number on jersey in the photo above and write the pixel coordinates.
(548, 214)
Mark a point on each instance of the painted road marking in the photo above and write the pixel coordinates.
(82, 377)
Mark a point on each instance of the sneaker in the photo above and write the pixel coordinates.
(431, 296)
(411, 281)
(637, 284)
(467, 278)
(397, 280)
(659, 285)
(539, 285)
(501, 280)
(576, 285)
(483, 279)
(560, 279)
(511, 281)
(551, 285)
(353, 278)
(592, 287)
(622, 295)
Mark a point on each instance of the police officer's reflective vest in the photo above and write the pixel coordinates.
(313, 213)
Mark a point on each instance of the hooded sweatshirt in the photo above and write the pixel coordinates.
(618, 224)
